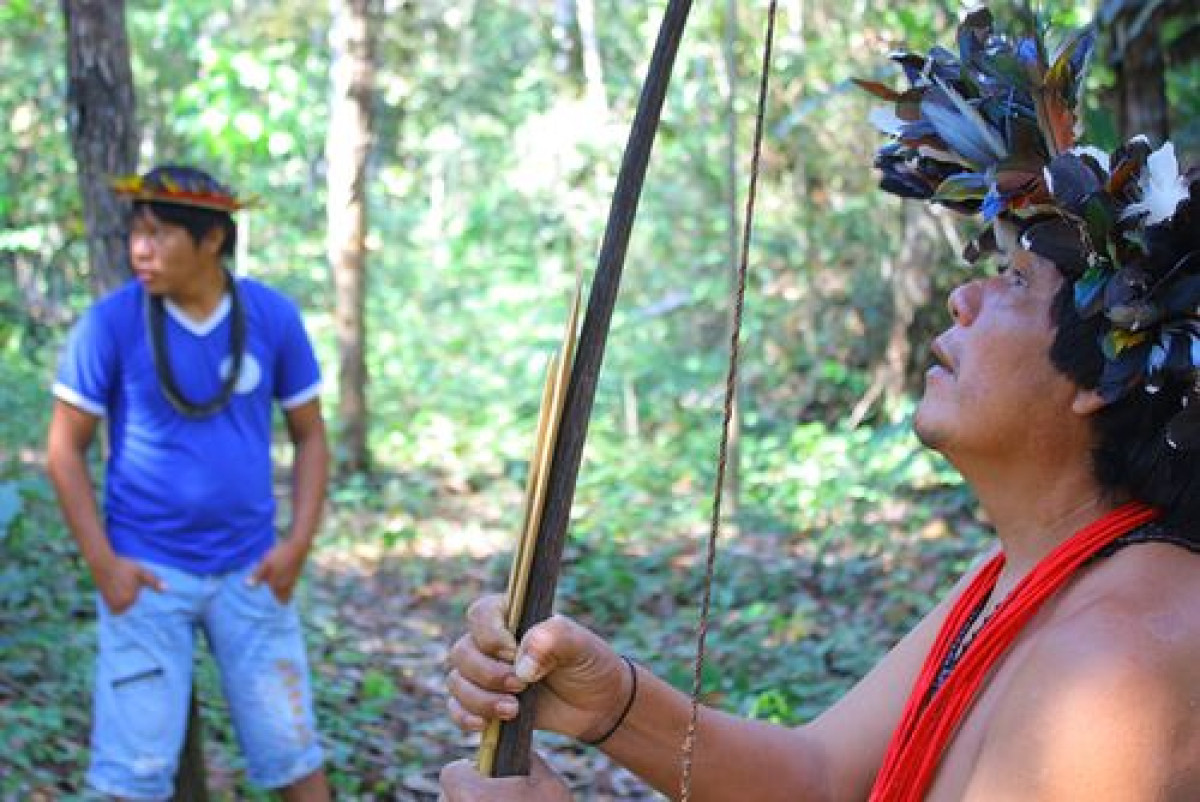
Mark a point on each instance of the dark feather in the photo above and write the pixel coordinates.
(962, 128)
(1017, 183)
(973, 35)
(981, 245)
(1072, 182)
(879, 90)
(1183, 432)
(1122, 372)
(1183, 298)
(1127, 162)
(913, 65)
(1062, 242)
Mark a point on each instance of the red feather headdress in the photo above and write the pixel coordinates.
(181, 186)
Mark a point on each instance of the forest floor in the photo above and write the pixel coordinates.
(405, 607)
(797, 616)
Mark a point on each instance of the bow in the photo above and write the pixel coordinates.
(512, 751)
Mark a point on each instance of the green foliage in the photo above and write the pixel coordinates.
(10, 506)
(805, 601)
(40, 226)
(43, 650)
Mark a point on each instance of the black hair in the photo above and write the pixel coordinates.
(1132, 454)
(196, 220)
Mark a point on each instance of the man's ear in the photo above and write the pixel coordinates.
(1087, 402)
(213, 240)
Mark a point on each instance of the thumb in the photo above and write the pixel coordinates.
(558, 642)
(540, 771)
(461, 782)
(151, 579)
(260, 574)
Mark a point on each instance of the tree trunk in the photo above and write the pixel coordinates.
(568, 53)
(577, 49)
(101, 119)
(347, 149)
(101, 115)
(593, 69)
(191, 782)
(1141, 72)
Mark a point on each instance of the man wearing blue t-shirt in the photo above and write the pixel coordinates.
(184, 364)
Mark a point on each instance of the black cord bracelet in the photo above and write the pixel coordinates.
(628, 706)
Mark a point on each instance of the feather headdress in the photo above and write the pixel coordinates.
(994, 131)
(180, 186)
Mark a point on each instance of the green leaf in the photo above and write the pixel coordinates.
(377, 685)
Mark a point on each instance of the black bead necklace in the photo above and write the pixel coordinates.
(156, 325)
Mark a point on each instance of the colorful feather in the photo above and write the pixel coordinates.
(994, 131)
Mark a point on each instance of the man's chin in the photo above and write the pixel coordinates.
(926, 431)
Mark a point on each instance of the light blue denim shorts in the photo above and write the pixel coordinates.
(144, 679)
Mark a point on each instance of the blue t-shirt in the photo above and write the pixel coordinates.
(195, 494)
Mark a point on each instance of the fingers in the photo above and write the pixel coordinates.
(482, 669)
(483, 684)
(539, 769)
(481, 681)
(118, 605)
(471, 706)
(480, 686)
(581, 672)
(464, 719)
(487, 626)
(461, 782)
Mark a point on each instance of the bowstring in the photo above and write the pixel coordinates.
(689, 744)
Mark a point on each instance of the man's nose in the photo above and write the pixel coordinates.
(963, 302)
(140, 244)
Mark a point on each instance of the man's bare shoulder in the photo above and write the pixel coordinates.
(1143, 602)
(1104, 692)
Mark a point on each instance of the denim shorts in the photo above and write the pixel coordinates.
(144, 679)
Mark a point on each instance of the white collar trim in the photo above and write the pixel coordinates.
(200, 328)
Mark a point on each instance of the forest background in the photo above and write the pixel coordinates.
(432, 175)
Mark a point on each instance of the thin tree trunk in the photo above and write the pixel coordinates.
(568, 57)
(593, 69)
(1141, 72)
(347, 149)
(191, 781)
(101, 119)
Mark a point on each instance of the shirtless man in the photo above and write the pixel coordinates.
(1066, 394)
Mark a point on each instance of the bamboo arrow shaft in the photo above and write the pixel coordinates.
(554, 393)
(518, 577)
(513, 750)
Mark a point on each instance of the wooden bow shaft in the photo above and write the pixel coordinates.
(513, 750)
